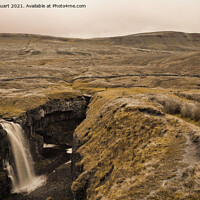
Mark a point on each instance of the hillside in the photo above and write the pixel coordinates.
(130, 148)
(128, 106)
(60, 59)
(169, 41)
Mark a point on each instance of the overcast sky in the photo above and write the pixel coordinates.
(101, 17)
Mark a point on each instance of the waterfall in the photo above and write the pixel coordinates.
(21, 173)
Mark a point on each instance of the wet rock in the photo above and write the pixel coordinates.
(53, 122)
(5, 183)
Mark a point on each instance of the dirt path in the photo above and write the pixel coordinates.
(192, 133)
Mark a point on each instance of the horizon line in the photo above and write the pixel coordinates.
(97, 37)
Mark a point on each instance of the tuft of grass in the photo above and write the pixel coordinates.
(170, 104)
(191, 111)
(190, 96)
(173, 105)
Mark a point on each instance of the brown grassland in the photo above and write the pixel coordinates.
(140, 139)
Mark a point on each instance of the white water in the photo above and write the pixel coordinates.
(48, 145)
(22, 173)
(69, 150)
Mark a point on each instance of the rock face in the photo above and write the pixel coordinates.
(4, 152)
(126, 148)
(53, 122)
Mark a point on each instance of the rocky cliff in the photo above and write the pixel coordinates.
(52, 122)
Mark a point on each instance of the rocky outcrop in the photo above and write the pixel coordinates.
(128, 149)
(53, 122)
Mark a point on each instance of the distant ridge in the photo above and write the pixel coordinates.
(145, 34)
(165, 40)
(24, 35)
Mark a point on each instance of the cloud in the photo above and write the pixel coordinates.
(104, 18)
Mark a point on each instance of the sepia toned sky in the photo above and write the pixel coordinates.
(101, 17)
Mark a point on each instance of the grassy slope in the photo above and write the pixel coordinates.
(17, 103)
(129, 152)
(164, 40)
(165, 52)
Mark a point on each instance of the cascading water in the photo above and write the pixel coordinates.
(22, 173)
